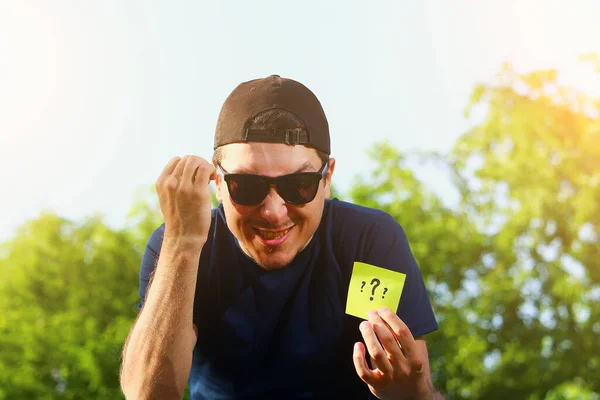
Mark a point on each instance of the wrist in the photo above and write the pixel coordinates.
(178, 237)
(428, 392)
(185, 245)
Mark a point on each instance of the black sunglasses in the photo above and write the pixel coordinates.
(250, 190)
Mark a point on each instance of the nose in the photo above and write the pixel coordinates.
(273, 208)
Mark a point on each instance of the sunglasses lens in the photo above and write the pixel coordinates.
(299, 188)
(250, 190)
(246, 190)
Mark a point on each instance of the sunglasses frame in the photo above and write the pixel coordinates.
(226, 176)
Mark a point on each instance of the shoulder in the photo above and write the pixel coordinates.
(355, 220)
(343, 209)
(374, 237)
(361, 233)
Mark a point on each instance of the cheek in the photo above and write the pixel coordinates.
(308, 217)
(233, 216)
(239, 219)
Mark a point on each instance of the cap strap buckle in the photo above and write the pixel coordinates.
(295, 136)
(287, 136)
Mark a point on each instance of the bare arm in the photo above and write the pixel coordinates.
(158, 353)
(157, 356)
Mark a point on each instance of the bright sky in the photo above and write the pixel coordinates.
(95, 97)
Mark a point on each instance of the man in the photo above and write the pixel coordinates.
(248, 300)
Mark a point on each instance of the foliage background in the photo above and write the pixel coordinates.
(513, 270)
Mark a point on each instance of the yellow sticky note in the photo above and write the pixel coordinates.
(372, 287)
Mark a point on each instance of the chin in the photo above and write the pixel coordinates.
(271, 262)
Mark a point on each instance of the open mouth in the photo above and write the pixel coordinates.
(272, 238)
(273, 235)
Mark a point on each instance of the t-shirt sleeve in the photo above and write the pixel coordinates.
(386, 245)
(149, 261)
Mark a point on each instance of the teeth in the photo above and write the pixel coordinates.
(272, 235)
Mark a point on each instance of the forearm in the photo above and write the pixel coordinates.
(158, 353)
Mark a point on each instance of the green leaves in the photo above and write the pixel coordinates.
(67, 303)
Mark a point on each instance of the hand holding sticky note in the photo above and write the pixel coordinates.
(373, 287)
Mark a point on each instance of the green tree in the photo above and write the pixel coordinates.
(534, 163)
(572, 391)
(68, 297)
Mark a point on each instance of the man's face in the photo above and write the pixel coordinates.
(258, 227)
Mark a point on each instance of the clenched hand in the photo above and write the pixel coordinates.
(184, 197)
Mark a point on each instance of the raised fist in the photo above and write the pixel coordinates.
(184, 197)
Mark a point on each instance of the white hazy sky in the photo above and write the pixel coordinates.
(96, 96)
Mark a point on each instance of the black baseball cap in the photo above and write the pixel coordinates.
(272, 92)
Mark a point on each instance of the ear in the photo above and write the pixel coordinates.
(328, 175)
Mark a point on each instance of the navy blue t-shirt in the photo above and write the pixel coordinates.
(284, 333)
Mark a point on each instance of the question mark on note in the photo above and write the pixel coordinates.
(377, 282)
(363, 285)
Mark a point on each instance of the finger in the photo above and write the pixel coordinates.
(190, 169)
(399, 328)
(204, 173)
(361, 367)
(168, 169)
(386, 337)
(377, 353)
(178, 171)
